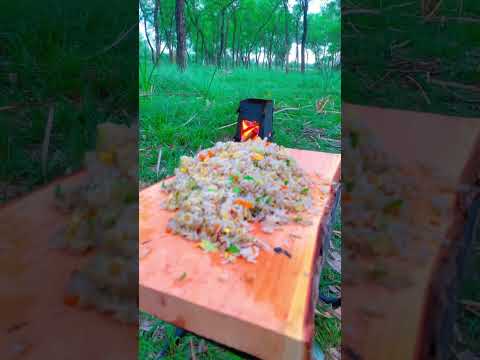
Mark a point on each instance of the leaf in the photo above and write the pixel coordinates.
(208, 246)
(248, 177)
(232, 249)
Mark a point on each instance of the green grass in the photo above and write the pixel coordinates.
(388, 55)
(389, 52)
(208, 99)
(48, 56)
(177, 98)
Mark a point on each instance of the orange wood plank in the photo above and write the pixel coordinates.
(265, 309)
(448, 146)
(32, 281)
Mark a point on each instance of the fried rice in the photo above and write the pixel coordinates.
(218, 194)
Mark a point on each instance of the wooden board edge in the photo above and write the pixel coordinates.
(231, 331)
(78, 174)
(323, 232)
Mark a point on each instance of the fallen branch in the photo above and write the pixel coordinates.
(454, 84)
(285, 109)
(360, 12)
(8, 107)
(192, 350)
(419, 87)
(115, 43)
(226, 126)
(157, 168)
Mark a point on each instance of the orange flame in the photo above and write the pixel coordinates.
(250, 130)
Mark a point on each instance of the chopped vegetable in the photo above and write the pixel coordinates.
(304, 191)
(208, 246)
(218, 213)
(257, 157)
(232, 249)
(245, 203)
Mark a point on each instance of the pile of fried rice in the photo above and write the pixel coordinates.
(218, 194)
(102, 215)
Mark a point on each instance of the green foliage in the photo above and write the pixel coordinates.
(179, 106)
(251, 29)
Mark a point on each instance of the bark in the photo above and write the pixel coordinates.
(181, 38)
(287, 50)
(233, 37)
(296, 42)
(227, 28)
(222, 37)
(304, 34)
(156, 26)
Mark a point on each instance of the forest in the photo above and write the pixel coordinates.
(242, 33)
(198, 60)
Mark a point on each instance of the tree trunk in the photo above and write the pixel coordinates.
(304, 34)
(233, 36)
(196, 48)
(224, 59)
(222, 38)
(156, 25)
(152, 50)
(296, 43)
(287, 50)
(181, 41)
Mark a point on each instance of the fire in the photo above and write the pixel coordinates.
(250, 130)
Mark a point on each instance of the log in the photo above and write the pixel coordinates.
(264, 309)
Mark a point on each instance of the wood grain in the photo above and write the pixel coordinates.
(406, 321)
(264, 309)
(32, 281)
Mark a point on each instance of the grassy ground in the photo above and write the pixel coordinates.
(50, 57)
(182, 113)
(394, 57)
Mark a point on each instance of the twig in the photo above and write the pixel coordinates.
(226, 126)
(8, 107)
(434, 10)
(191, 118)
(454, 84)
(425, 96)
(157, 168)
(192, 350)
(285, 109)
(115, 43)
(360, 11)
(46, 141)
(211, 80)
(471, 303)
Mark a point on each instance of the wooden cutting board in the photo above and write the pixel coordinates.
(401, 323)
(264, 309)
(32, 281)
